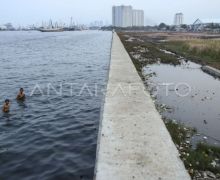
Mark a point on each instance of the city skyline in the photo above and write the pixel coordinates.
(24, 12)
(126, 16)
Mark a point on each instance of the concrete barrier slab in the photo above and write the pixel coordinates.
(133, 140)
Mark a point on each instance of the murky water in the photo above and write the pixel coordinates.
(53, 134)
(192, 95)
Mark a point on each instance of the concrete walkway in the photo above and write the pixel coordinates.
(133, 140)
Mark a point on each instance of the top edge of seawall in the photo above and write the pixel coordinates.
(133, 141)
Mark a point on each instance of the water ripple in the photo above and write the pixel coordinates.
(52, 136)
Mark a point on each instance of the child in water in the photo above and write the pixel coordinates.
(21, 95)
(6, 106)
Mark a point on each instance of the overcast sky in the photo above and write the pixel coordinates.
(25, 12)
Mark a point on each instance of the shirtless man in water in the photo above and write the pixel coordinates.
(21, 95)
(6, 106)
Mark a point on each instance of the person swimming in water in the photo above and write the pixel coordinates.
(6, 106)
(21, 95)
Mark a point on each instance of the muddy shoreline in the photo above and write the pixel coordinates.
(205, 47)
(202, 160)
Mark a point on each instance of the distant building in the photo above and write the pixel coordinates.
(125, 16)
(178, 19)
(96, 24)
(206, 24)
(8, 27)
(138, 18)
(122, 16)
(3, 27)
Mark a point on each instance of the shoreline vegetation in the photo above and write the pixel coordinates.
(198, 47)
(202, 51)
(202, 161)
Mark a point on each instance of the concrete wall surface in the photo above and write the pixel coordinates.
(133, 141)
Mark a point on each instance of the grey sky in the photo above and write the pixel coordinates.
(84, 11)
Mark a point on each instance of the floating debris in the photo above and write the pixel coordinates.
(167, 52)
(205, 138)
(131, 39)
(213, 163)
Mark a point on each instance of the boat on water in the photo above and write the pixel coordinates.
(58, 27)
(51, 29)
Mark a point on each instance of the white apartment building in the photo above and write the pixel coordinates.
(122, 16)
(178, 19)
(138, 18)
(125, 16)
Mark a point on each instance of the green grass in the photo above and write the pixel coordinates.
(202, 158)
(178, 132)
(199, 159)
(155, 53)
(152, 56)
(205, 52)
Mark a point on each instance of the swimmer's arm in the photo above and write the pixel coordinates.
(4, 108)
(19, 96)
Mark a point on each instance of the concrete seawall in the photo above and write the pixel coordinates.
(133, 141)
(211, 70)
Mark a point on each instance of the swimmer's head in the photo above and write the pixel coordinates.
(7, 101)
(21, 90)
